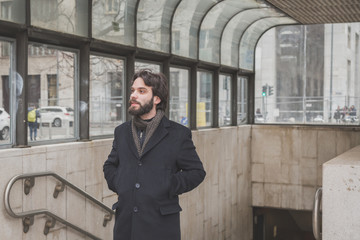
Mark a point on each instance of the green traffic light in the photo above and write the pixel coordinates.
(264, 94)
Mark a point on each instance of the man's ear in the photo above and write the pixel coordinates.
(157, 100)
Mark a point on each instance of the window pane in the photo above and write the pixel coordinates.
(204, 99)
(113, 21)
(153, 24)
(179, 95)
(12, 10)
(235, 29)
(186, 24)
(106, 94)
(308, 75)
(214, 23)
(242, 100)
(69, 16)
(5, 92)
(51, 81)
(146, 65)
(249, 39)
(224, 100)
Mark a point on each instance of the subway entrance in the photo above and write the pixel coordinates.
(282, 224)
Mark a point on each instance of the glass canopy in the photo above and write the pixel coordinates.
(236, 28)
(222, 32)
(114, 21)
(13, 11)
(153, 24)
(252, 34)
(214, 24)
(185, 26)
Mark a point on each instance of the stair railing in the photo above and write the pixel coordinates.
(28, 216)
(316, 215)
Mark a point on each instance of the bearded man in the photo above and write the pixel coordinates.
(153, 160)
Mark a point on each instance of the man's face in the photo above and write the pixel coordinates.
(141, 99)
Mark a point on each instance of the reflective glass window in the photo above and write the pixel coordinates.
(68, 16)
(214, 23)
(12, 10)
(187, 19)
(242, 83)
(306, 75)
(153, 24)
(107, 109)
(250, 36)
(6, 88)
(235, 28)
(204, 98)
(179, 95)
(113, 21)
(224, 100)
(51, 92)
(147, 65)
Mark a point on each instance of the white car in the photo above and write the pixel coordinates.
(319, 118)
(4, 124)
(56, 115)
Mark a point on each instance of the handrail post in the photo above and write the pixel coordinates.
(107, 218)
(50, 223)
(27, 222)
(58, 188)
(28, 184)
(316, 215)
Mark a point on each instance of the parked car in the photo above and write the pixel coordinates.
(350, 119)
(4, 124)
(56, 115)
(259, 118)
(319, 119)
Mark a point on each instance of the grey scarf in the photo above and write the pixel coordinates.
(149, 127)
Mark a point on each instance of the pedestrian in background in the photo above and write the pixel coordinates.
(33, 115)
(337, 115)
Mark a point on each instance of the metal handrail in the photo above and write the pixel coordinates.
(28, 216)
(316, 215)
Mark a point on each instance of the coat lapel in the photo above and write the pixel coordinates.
(158, 135)
(131, 141)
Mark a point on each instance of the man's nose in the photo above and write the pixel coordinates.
(133, 95)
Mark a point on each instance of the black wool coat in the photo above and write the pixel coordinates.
(148, 186)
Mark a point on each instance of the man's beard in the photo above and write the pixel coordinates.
(143, 109)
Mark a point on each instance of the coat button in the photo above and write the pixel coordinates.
(136, 209)
(140, 163)
(137, 185)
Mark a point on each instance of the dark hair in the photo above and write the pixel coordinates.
(158, 83)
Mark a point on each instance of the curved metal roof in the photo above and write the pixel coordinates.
(319, 11)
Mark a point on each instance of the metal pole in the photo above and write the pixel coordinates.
(266, 96)
(331, 69)
(304, 76)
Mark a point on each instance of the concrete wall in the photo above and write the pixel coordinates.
(219, 209)
(341, 197)
(286, 162)
(261, 165)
